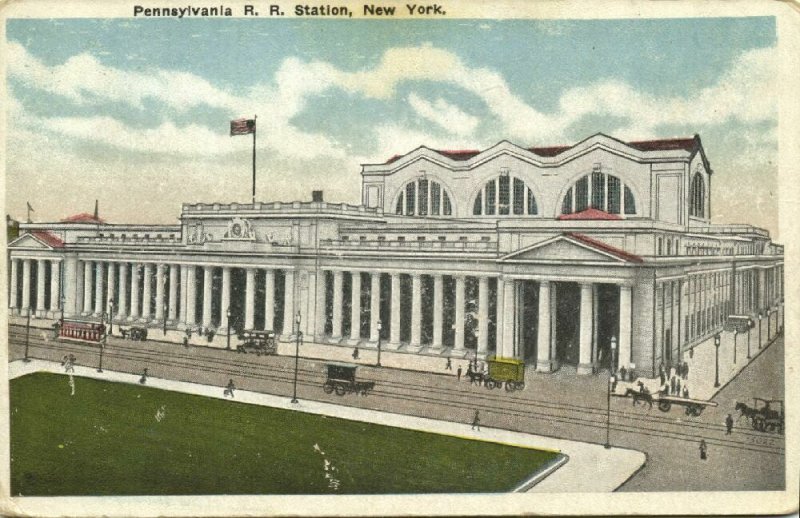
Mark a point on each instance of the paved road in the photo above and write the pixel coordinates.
(559, 405)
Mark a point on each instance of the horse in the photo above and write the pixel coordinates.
(639, 396)
(474, 377)
(746, 411)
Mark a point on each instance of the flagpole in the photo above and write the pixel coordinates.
(255, 127)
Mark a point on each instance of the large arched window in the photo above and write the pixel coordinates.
(600, 191)
(423, 197)
(504, 196)
(697, 196)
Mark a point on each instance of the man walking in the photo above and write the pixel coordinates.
(143, 379)
(229, 389)
(476, 421)
(703, 449)
(458, 373)
(449, 365)
(728, 424)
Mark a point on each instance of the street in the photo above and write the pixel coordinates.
(559, 405)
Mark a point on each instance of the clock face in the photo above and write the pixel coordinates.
(236, 229)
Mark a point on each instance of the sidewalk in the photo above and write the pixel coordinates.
(579, 474)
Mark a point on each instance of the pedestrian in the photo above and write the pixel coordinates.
(672, 385)
(677, 386)
(728, 424)
(622, 373)
(143, 379)
(229, 388)
(476, 421)
(686, 391)
(458, 373)
(703, 449)
(355, 353)
(662, 377)
(449, 365)
(685, 370)
(186, 341)
(189, 333)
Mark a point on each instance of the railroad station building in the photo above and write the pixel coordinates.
(546, 254)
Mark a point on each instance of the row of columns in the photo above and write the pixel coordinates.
(416, 309)
(53, 288)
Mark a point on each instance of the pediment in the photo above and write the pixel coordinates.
(30, 242)
(568, 248)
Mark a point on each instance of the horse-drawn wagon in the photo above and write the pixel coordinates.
(135, 333)
(639, 392)
(505, 371)
(766, 415)
(259, 342)
(341, 378)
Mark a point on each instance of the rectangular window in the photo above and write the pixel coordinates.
(490, 198)
(519, 196)
(599, 191)
(423, 197)
(582, 194)
(613, 195)
(504, 191)
(435, 196)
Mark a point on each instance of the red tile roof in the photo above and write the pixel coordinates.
(48, 238)
(590, 213)
(687, 144)
(622, 254)
(83, 217)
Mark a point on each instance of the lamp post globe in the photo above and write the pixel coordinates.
(380, 326)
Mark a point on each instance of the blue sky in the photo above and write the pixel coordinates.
(135, 111)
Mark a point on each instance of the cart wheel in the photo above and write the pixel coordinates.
(771, 427)
(490, 384)
(328, 387)
(520, 385)
(754, 424)
(664, 405)
(511, 386)
(340, 390)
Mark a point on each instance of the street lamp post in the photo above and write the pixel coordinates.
(611, 371)
(380, 326)
(110, 316)
(27, 337)
(103, 318)
(769, 323)
(735, 334)
(760, 316)
(228, 314)
(63, 301)
(716, 360)
(750, 325)
(296, 355)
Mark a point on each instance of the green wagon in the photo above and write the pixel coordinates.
(506, 371)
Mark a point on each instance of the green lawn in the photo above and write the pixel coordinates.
(106, 440)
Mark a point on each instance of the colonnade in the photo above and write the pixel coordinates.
(20, 296)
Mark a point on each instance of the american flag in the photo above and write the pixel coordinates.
(243, 127)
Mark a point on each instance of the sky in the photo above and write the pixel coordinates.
(135, 112)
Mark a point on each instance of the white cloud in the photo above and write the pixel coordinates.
(444, 114)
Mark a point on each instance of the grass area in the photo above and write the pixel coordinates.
(106, 440)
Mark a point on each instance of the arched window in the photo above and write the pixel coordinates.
(423, 197)
(504, 196)
(697, 196)
(600, 191)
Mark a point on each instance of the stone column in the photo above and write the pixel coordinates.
(250, 298)
(87, 287)
(135, 276)
(320, 308)
(416, 310)
(269, 300)
(147, 291)
(288, 305)
(336, 332)
(509, 319)
(160, 281)
(624, 326)
(225, 299)
(394, 331)
(122, 303)
(483, 314)
(191, 295)
(374, 306)
(355, 307)
(586, 313)
(544, 361)
(13, 292)
(438, 309)
(55, 286)
(208, 278)
(111, 282)
(40, 308)
(70, 286)
(172, 314)
(458, 342)
(98, 288)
